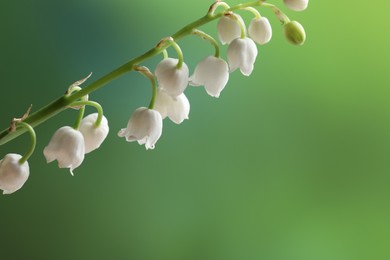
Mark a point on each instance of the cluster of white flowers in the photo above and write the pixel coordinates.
(70, 144)
(145, 124)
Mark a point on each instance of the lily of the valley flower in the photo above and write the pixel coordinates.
(13, 174)
(93, 135)
(229, 28)
(242, 54)
(260, 30)
(213, 73)
(177, 109)
(67, 147)
(171, 79)
(144, 126)
(296, 5)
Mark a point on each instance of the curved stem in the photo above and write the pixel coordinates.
(149, 75)
(208, 38)
(217, 4)
(171, 42)
(27, 155)
(253, 11)
(283, 18)
(165, 54)
(63, 102)
(94, 104)
(79, 118)
(240, 23)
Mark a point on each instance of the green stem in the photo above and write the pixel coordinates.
(94, 104)
(208, 38)
(154, 93)
(214, 7)
(241, 24)
(283, 18)
(172, 42)
(79, 118)
(64, 102)
(165, 54)
(253, 11)
(149, 75)
(28, 128)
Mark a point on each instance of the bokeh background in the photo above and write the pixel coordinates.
(291, 163)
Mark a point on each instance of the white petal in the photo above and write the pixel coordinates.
(93, 136)
(228, 29)
(144, 126)
(13, 175)
(296, 5)
(242, 54)
(67, 147)
(179, 109)
(162, 102)
(260, 30)
(213, 73)
(171, 79)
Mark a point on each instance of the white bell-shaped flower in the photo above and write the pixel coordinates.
(229, 29)
(177, 109)
(144, 126)
(93, 135)
(171, 79)
(296, 5)
(67, 147)
(212, 73)
(13, 174)
(260, 30)
(242, 54)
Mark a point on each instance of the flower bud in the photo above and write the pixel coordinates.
(294, 32)
(296, 5)
(260, 30)
(13, 174)
(93, 135)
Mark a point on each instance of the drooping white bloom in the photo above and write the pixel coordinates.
(144, 126)
(260, 30)
(67, 147)
(229, 29)
(296, 5)
(177, 109)
(171, 79)
(242, 54)
(13, 174)
(93, 135)
(213, 73)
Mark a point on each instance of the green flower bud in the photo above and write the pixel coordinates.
(294, 32)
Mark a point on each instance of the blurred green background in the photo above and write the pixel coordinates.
(291, 163)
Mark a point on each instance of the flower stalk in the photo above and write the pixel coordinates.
(149, 75)
(63, 102)
(84, 103)
(208, 38)
(30, 151)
